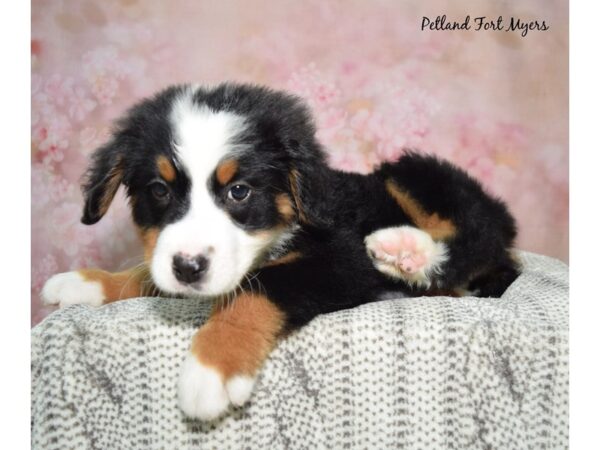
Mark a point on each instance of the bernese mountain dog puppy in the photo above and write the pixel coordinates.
(234, 201)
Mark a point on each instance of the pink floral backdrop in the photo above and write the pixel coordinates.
(495, 103)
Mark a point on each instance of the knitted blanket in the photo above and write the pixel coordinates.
(419, 373)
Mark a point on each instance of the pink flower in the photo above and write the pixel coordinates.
(80, 105)
(51, 137)
(331, 122)
(60, 189)
(103, 70)
(104, 88)
(311, 84)
(58, 89)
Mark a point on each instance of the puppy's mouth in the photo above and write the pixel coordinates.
(193, 290)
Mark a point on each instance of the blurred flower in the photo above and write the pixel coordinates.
(103, 71)
(80, 104)
(51, 137)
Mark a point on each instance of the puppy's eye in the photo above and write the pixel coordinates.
(239, 192)
(159, 190)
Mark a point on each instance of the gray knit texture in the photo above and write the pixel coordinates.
(418, 373)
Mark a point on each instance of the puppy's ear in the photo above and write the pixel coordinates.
(102, 180)
(308, 186)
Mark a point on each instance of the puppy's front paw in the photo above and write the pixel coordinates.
(239, 389)
(406, 253)
(71, 288)
(205, 394)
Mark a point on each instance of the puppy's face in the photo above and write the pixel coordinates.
(214, 181)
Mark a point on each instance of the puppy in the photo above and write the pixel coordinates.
(234, 202)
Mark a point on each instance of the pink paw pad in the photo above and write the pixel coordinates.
(411, 262)
(403, 252)
(407, 253)
(400, 248)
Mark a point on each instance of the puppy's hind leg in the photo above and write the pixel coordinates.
(406, 253)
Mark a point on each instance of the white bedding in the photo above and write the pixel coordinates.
(419, 373)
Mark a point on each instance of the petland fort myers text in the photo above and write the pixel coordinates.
(483, 23)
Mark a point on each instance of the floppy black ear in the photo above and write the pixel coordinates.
(102, 180)
(309, 188)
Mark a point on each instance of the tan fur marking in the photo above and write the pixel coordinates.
(238, 338)
(165, 168)
(433, 224)
(285, 207)
(121, 285)
(149, 237)
(293, 177)
(285, 259)
(115, 175)
(226, 170)
(269, 233)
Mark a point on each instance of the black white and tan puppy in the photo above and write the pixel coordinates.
(234, 202)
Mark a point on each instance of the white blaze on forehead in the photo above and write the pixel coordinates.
(202, 136)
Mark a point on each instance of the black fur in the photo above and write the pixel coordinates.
(336, 272)
(334, 210)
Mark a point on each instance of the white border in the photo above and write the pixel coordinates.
(15, 237)
(584, 224)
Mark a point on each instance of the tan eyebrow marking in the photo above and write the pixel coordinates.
(226, 170)
(165, 168)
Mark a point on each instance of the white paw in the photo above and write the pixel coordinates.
(70, 288)
(406, 253)
(239, 388)
(201, 390)
(204, 395)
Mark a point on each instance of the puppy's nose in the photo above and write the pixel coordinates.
(189, 269)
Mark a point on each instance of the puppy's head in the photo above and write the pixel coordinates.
(218, 181)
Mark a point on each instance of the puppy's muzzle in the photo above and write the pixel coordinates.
(189, 270)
